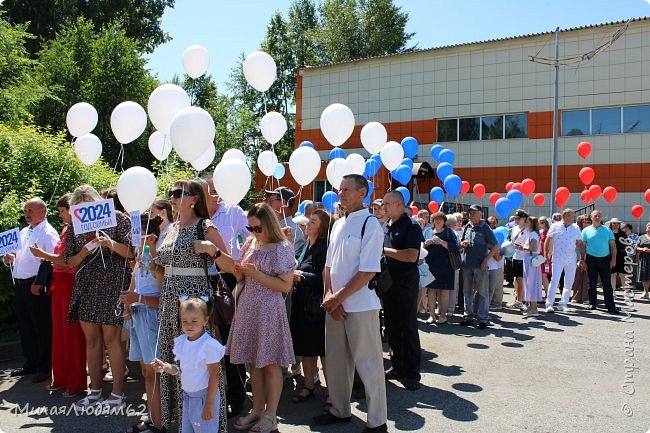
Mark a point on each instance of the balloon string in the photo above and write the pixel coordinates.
(119, 155)
(58, 178)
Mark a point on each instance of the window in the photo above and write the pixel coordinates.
(516, 126)
(447, 130)
(492, 128)
(636, 119)
(469, 129)
(575, 122)
(606, 121)
(320, 187)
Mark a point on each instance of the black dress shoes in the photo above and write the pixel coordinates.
(20, 372)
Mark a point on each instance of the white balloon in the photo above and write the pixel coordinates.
(232, 180)
(196, 60)
(273, 126)
(88, 148)
(266, 162)
(234, 153)
(304, 165)
(81, 119)
(203, 161)
(164, 103)
(373, 137)
(392, 155)
(137, 189)
(337, 123)
(192, 132)
(357, 163)
(128, 121)
(336, 169)
(160, 145)
(259, 70)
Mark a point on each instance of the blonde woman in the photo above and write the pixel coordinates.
(260, 335)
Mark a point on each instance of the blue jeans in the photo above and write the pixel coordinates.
(478, 277)
(193, 422)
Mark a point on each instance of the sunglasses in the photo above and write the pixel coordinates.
(256, 229)
(178, 193)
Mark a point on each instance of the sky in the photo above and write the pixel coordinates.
(229, 28)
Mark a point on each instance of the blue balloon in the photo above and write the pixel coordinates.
(337, 153)
(507, 249)
(330, 198)
(371, 188)
(307, 144)
(279, 171)
(372, 167)
(407, 161)
(410, 146)
(444, 169)
(405, 193)
(437, 194)
(297, 214)
(501, 234)
(366, 200)
(515, 196)
(402, 174)
(435, 151)
(453, 184)
(503, 206)
(376, 157)
(447, 155)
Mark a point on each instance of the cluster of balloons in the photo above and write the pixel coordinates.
(81, 119)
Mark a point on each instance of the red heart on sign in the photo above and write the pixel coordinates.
(76, 214)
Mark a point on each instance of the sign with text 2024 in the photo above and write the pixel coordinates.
(90, 217)
(9, 241)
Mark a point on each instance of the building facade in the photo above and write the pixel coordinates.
(493, 106)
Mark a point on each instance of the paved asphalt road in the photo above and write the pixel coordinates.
(578, 372)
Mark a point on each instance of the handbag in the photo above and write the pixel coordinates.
(426, 277)
(382, 281)
(454, 256)
(222, 303)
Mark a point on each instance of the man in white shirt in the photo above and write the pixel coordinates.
(518, 236)
(561, 242)
(282, 200)
(352, 325)
(33, 308)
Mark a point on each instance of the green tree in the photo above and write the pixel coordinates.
(303, 32)
(140, 19)
(340, 32)
(19, 90)
(383, 27)
(103, 69)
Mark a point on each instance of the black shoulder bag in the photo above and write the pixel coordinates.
(382, 281)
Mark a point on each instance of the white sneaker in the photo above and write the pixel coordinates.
(550, 309)
(645, 296)
(523, 307)
(565, 308)
(533, 313)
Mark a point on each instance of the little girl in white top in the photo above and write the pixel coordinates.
(197, 355)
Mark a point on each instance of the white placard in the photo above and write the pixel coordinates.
(9, 241)
(136, 228)
(90, 217)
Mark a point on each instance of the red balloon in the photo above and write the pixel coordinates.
(479, 190)
(609, 193)
(587, 175)
(595, 192)
(527, 186)
(433, 206)
(585, 196)
(464, 189)
(539, 199)
(562, 196)
(637, 211)
(415, 210)
(494, 197)
(584, 149)
(509, 186)
(517, 186)
(647, 195)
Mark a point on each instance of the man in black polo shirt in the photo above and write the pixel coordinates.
(402, 248)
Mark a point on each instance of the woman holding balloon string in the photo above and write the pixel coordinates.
(184, 275)
(532, 274)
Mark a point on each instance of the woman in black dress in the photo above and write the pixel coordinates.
(442, 241)
(307, 317)
(619, 270)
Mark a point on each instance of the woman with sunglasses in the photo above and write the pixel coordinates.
(259, 335)
(184, 275)
(581, 282)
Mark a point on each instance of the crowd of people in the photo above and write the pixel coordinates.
(217, 301)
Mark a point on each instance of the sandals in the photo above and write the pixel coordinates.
(93, 397)
(113, 404)
(266, 424)
(244, 423)
(299, 398)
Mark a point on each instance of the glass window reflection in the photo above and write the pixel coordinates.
(447, 130)
(606, 121)
(492, 128)
(516, 126)
(469, 129)
(636, 119)
(575, 122)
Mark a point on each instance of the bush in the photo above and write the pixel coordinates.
(30, 162)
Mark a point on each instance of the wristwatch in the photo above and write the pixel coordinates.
(216, 255)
